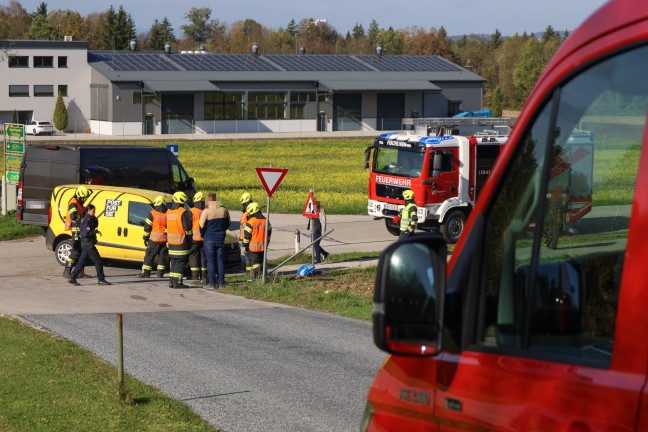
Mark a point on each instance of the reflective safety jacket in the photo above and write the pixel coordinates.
(408, 216)
(178, 228)
(242, 224)
(155, 226)
(195, 223)
(255, 232)
(75, 212)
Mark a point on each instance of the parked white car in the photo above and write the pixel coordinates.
(37, 127)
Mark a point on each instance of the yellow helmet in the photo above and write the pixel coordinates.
(82, 192)
(246, 197)
(252, 208)
(199, 196)
(159, 201)
(408, 194)
(180, 197)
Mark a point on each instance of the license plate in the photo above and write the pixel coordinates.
(391, 207)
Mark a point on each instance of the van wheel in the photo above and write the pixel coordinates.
(392, 227)
(453, 226)
(62, 251)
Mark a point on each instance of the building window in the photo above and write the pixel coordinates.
(18, 90)
(266, 106)
(63, 90)
(43, 61)
(298, 102)
(137, 98)
(223, 106)
(454, 107)
(43, 90)
(18, 61)
(62, 61)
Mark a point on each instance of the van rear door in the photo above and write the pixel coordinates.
(43, 168)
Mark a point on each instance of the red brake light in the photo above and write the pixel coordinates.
(20, 194)
(49, 215)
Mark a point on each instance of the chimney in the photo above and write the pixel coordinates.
(167, 48)
(379, 49)
(255, 48)
(133, 44)
(302, 50)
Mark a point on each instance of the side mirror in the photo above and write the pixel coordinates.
(367, 156)
(409, 296)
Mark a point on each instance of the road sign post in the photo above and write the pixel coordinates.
(14, 152)
(270, 178)
(311, 211)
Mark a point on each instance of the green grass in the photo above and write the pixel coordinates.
(346, 293)
(306, 258)
(50, 384)
(10, 228)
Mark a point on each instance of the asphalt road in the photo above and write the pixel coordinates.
(241, 364)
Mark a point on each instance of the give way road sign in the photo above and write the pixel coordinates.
(271, 177)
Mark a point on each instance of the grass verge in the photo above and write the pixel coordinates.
(10, 228)
(51, 384)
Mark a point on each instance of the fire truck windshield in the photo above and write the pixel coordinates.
(398, 162)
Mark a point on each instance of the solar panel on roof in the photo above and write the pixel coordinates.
(319, 62)
(410, 63)
(222, 62)
(132, 61)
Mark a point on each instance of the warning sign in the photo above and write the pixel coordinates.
(310, 209)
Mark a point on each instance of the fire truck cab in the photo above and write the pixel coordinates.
(511, 334)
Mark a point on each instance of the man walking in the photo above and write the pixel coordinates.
(88, 238)
(197, 258)
(255, 235)
(318, 229)
(155, 239)
(179, 237)
(214, 222)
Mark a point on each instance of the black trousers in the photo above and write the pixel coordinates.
(153, 249)
(197, 258)
(89, 252)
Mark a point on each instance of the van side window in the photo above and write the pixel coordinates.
(559, 224)
(137, 212)
(179, 176)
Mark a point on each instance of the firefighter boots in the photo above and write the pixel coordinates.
(160, 274)
(144, 274)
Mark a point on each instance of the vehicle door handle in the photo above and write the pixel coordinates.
(125, 232)
(119, 231)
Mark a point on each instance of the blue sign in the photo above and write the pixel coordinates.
(173, 148)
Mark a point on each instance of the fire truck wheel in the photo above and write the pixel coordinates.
(392, 227)
(453, 226)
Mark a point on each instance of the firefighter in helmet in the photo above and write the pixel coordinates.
(254, 241)
(179, 237)
(75, 211)
(408, 217)
(155, 239)
(245, 200)
(197, 258)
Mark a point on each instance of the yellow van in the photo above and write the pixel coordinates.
(121, 213)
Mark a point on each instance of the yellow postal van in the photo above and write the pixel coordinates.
(121, 213)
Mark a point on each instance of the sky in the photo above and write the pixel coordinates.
(458, 17)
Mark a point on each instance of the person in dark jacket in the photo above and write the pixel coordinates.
(88, 236)
(318, 229)
(214, 221)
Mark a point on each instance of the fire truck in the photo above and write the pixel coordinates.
(445, 172)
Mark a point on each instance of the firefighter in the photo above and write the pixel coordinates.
(179, 236)
(408, 217)
(245, 199)
(255, 233)
(75, 212)
(88, 238)
(155, 239)
(197, 258)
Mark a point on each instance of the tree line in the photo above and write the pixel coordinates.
(511, 65)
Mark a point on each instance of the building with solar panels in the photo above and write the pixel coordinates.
(135, 92)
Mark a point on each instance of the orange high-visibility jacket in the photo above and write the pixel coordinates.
(75, 212)
(176, 233)
(255, 231)
(242, 224)
(195, 222)
(157, 224)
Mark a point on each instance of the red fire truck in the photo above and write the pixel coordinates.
(445, 172)
(510, 334)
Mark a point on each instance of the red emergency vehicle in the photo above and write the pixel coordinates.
(510, 334)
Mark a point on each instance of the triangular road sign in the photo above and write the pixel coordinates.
(271, 177)
(310, 209)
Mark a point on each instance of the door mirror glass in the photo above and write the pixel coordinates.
(408, 297)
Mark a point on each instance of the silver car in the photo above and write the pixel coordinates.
(37, 127)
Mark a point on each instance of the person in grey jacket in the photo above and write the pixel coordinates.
(214, 221)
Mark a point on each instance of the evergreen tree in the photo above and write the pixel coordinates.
(292, 28)
(358, 32)
(372, 33)
(549, 34)
(40, 28)
(496, 40)
(167, 29)
(496, 102)
(155, 38)
(60, 114)
(124, 29)
(108, 34)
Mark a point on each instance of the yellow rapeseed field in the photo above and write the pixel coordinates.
(333, 168)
